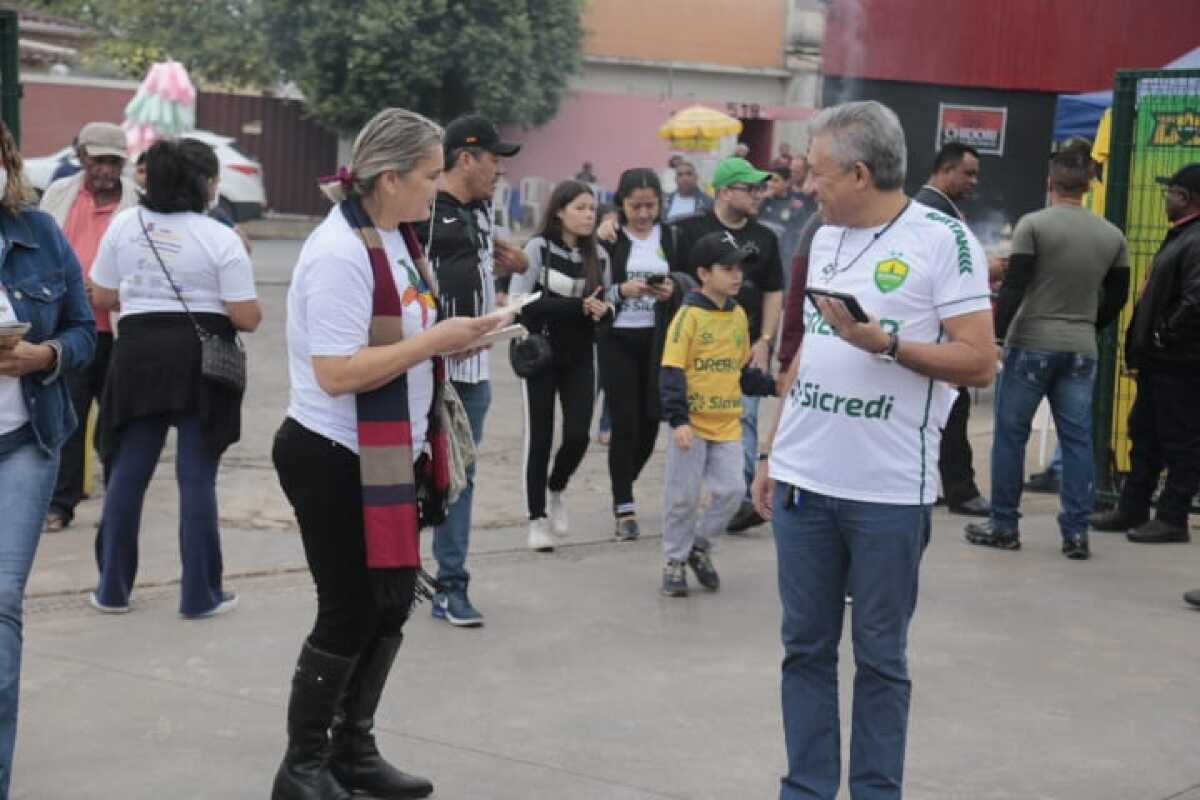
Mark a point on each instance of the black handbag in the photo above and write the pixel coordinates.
(531, 355)
(221, 360)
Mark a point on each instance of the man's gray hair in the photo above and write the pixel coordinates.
(394, 139)
(869, 132)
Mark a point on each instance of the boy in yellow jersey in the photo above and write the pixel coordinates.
(704, 375)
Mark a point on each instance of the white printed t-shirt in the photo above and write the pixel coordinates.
(206, 259)
(329, 314)
(646, 258)
(853, 425)
(13, 413)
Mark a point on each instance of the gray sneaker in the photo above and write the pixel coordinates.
(627, 529)
(674, 582)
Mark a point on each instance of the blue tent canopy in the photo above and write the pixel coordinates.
(1079, 114)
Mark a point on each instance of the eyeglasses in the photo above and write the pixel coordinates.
(755, 188)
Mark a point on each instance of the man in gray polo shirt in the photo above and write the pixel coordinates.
(1068, 276)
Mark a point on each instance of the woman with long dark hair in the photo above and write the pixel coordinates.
(361, 455)
(631, 351)
(47, 331)
(176, 274)
(571, 271)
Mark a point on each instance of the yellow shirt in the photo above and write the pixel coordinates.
(711, 346)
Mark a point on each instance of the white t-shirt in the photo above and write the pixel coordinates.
(206, 259)
(329, 314)
(681, 206)
(13, 413)
(646, 258)
(855, 426)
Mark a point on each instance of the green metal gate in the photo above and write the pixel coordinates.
(10, 79)
(1155, 131)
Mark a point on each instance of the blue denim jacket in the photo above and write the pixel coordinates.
(45, 286)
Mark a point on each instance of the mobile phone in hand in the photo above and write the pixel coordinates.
(849, 300)
(656, 280)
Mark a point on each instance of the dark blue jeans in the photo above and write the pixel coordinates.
(138, 449)
(1066, 380)
(826, 547)
(452, 538)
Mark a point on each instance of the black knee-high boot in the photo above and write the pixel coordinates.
(317, 686)
(356, 762)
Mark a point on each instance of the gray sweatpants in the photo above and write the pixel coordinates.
(716, 466)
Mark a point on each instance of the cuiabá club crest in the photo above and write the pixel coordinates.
(890, 274)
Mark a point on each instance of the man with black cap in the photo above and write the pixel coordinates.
(83, 205)
(1162, 346)
(740, 189)
(466, 260)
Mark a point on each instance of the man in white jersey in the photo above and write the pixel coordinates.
(852, 473)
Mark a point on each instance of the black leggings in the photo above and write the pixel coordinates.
(322, 482)
(627, 364)
(575, 386)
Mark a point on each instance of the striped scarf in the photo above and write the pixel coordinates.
(399, 497)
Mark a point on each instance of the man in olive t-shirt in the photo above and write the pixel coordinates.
(1068, 277)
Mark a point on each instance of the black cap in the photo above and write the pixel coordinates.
(720, 248)
(1186, 178)
(475, 130)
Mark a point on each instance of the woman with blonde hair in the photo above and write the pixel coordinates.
(46, 329)
(361, 456)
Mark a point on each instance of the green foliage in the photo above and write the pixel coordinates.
(509, 59)
(219, 41)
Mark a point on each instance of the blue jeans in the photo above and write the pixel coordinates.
(26, 482)
(749, 440)
(138, 449)
(826, 547)
(1066, 379)
(452, 537)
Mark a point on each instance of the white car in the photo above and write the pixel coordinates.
(242, 197)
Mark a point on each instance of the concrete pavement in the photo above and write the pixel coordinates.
(1034, 677)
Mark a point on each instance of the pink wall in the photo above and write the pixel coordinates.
(614, 132)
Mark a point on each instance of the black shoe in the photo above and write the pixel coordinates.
(317, 686)
(745, 518)
(702, 565)
(1157, 531)
(975, 507)
(1044, 482)
(1192, 598)
(985, 534)
(355, 760)
(1116, 520)
(1076, 547)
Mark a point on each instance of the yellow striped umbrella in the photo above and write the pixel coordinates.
(699, 128)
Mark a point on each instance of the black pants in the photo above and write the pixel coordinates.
(628, 369)
(322, 482)
(1164, 427)
(954, 462)
(84, 385)
(575, 386)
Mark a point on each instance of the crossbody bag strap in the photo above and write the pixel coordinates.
(199, 330)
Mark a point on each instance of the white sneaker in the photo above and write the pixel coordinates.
(229, 601)
(539, 536)
(557, 511)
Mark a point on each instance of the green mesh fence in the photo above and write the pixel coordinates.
(1155, 130)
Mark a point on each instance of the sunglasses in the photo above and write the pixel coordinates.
(750, 188)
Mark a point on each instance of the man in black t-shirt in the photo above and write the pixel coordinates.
(466, 259)
(740, 189)
(955, 175)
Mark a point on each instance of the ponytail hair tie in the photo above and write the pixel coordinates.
(343, 176)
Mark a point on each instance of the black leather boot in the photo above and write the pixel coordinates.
(356, 762)
(317, 686)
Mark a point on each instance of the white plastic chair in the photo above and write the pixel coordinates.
(535, 193)
(501, 205)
